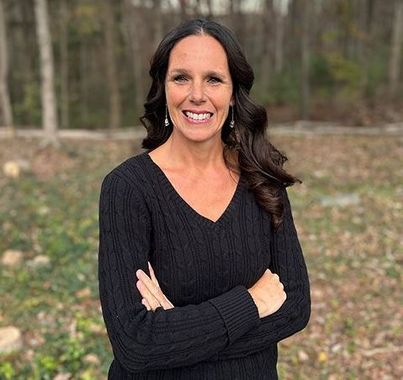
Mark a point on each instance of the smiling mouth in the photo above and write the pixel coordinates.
(198, 117)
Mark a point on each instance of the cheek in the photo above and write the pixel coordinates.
(174, 95)
(223, 103)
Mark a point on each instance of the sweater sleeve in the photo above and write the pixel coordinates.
(145, 340)
(288, 262)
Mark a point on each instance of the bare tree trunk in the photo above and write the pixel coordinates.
(64, 65)
(265, 61)
(280, 14)
(111, 70)
(396, 48)
(49, 114)
(305, 56)
(6, 116)
(209, 8)
(183, 9)
(158, 25)
(83, 82)
(134, 26)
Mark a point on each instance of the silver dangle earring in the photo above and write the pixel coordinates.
(232, 122)
(166, 116)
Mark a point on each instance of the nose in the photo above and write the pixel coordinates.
(197, 94)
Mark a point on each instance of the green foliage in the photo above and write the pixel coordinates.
(28, 109)
(344, 72)
(87, 19)
(7, 371)
(320, 73)
(284, 88)
(44, 366)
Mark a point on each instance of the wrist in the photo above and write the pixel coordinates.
(257, 302)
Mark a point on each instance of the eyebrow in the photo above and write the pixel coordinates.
(208, 73)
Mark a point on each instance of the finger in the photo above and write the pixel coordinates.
(152, 287)
(154, 290)
(152, 274)
(145, 292)
(144, 300)
(142, 290)
(165, 303)
(145, 303)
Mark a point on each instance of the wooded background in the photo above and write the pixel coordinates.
(84, 63)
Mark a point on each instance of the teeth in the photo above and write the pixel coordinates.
(198, 116)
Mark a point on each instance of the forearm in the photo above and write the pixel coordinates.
(144, 340)
(288, 262)
(292, 317)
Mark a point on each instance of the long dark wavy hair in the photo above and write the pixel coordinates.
(260, 163)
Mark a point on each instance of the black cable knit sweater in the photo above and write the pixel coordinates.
(204, 268)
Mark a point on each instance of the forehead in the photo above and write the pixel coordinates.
(198, 52)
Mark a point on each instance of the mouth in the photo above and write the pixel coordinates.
(198, 117)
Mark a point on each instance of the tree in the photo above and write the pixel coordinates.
(305, 58)
(112, 74)
(6, 116)
(134, 27)
(280, 8)
(64, 64)
(49, 115)
(266, 46)
(396, 48)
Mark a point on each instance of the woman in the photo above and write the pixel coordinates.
(200, 269)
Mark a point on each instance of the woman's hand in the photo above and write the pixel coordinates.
(151, 292)
(268, 294)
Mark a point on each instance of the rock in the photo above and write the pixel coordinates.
(39, 261)
(14, 168)
(340, 200)
(91, 359)
(10, 339)
(303, 356)
(11, 258)
(337, 347)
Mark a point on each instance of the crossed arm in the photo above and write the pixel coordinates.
(226, 326)
(288, 265)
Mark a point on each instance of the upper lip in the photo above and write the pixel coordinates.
(198, 111)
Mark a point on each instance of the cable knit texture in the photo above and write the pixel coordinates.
(204, 268)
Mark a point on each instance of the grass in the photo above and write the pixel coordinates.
(352, 252)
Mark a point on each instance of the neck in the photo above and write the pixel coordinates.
(197, 156)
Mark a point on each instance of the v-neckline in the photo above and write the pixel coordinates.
(181, 202)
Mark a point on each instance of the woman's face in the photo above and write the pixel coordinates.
(198, 88)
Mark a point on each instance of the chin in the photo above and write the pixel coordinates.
(200, 135)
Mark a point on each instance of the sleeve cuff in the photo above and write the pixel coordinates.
(238, 310)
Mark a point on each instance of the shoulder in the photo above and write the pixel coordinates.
(133, 172)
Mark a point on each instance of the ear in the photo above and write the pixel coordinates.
(232, 101)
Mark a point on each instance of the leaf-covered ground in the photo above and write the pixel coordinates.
(353, 252)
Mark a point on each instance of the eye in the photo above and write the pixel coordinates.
(179, 78)
(214, 80)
